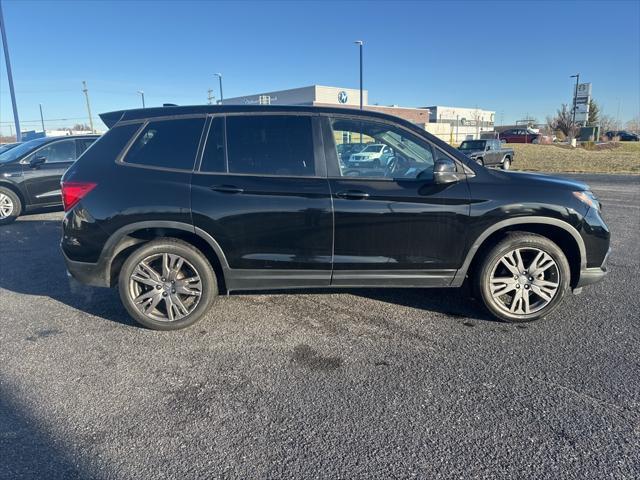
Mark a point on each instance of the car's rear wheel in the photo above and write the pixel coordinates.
(167, 284)
(506, 163)
(10, 206)
(523, 278)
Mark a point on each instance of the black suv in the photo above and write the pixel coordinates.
(176, 204)
(30, 173)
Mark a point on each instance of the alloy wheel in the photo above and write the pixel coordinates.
(165, 287)
(6, 206)
(524, 281)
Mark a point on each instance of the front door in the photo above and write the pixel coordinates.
(42, 180)
(267, 201)
(393, 224)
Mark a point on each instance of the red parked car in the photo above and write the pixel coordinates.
(520, 135)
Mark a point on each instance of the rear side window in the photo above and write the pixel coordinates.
(167, 144)
(270, 145)
(213, 156)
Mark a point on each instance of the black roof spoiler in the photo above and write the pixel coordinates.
(111, 118)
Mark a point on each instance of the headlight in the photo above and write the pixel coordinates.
(587, 197)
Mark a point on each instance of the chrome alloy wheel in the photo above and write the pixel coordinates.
(165, 287)
(6, 206)
(524, 281)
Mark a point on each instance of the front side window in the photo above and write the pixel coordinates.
(64, 151)
(270, 145)
(167, 144)
(381, 150)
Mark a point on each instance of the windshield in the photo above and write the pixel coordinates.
(373, 148)
(472, 145)
(20, 150)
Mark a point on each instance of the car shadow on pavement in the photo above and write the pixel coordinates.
(33, 265)
(28, 450)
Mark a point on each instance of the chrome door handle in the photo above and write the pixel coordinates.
(226, 189)
(353, 195)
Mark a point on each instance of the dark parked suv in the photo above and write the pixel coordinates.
(176, 204)
(30, 173)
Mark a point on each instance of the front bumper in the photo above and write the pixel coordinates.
(589, 276)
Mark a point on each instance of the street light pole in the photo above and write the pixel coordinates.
(10, 76)
(575, 94)
(360, 43)
(141, 93)
(42, 120)
(219, 75)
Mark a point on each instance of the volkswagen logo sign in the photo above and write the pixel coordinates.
(343, 97)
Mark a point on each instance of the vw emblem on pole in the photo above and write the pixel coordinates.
(343, 97)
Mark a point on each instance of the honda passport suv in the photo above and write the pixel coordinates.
(175, 205)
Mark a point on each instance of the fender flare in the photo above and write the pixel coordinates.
(118, 240)
(462, 271)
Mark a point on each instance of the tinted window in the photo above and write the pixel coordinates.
(64, 151)
(409, 156)
(83, 143)
(167, 143)
(213, 157)
(271, 145)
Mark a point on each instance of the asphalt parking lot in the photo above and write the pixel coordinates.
(355, 384)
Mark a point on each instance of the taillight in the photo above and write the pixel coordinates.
(72, 192)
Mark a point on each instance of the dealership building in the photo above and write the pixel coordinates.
(451, 124)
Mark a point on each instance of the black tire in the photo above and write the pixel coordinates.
(16, 206)
(195, 261)
(525, 241)
(480, 161)
(506, 163)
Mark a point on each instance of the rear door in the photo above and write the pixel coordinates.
(393, 226)
(262, 193)
(43, 181)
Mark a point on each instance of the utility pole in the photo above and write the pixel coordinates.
(86, 95)
(42, 120)
(360, 43)
(219, 75)
(210, 97)
(10, 76)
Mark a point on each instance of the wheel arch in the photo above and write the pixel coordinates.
(127, 239)
(15, 189)
(558, 231)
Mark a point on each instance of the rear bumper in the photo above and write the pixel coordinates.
(93, 274)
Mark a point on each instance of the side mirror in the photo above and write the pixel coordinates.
(37, 161)
(446, 171)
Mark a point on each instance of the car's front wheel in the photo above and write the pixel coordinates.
(524, 277)
(506, 163)
(10, 206)
(167, 284)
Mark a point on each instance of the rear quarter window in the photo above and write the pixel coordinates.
(167, 144)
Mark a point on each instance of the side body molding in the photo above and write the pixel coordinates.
(462, 272)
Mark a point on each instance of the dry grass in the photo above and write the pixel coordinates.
(623, 157)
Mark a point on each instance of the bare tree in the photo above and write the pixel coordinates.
(607, 123)
(563, 121)
(81, 127)
(634, 124)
